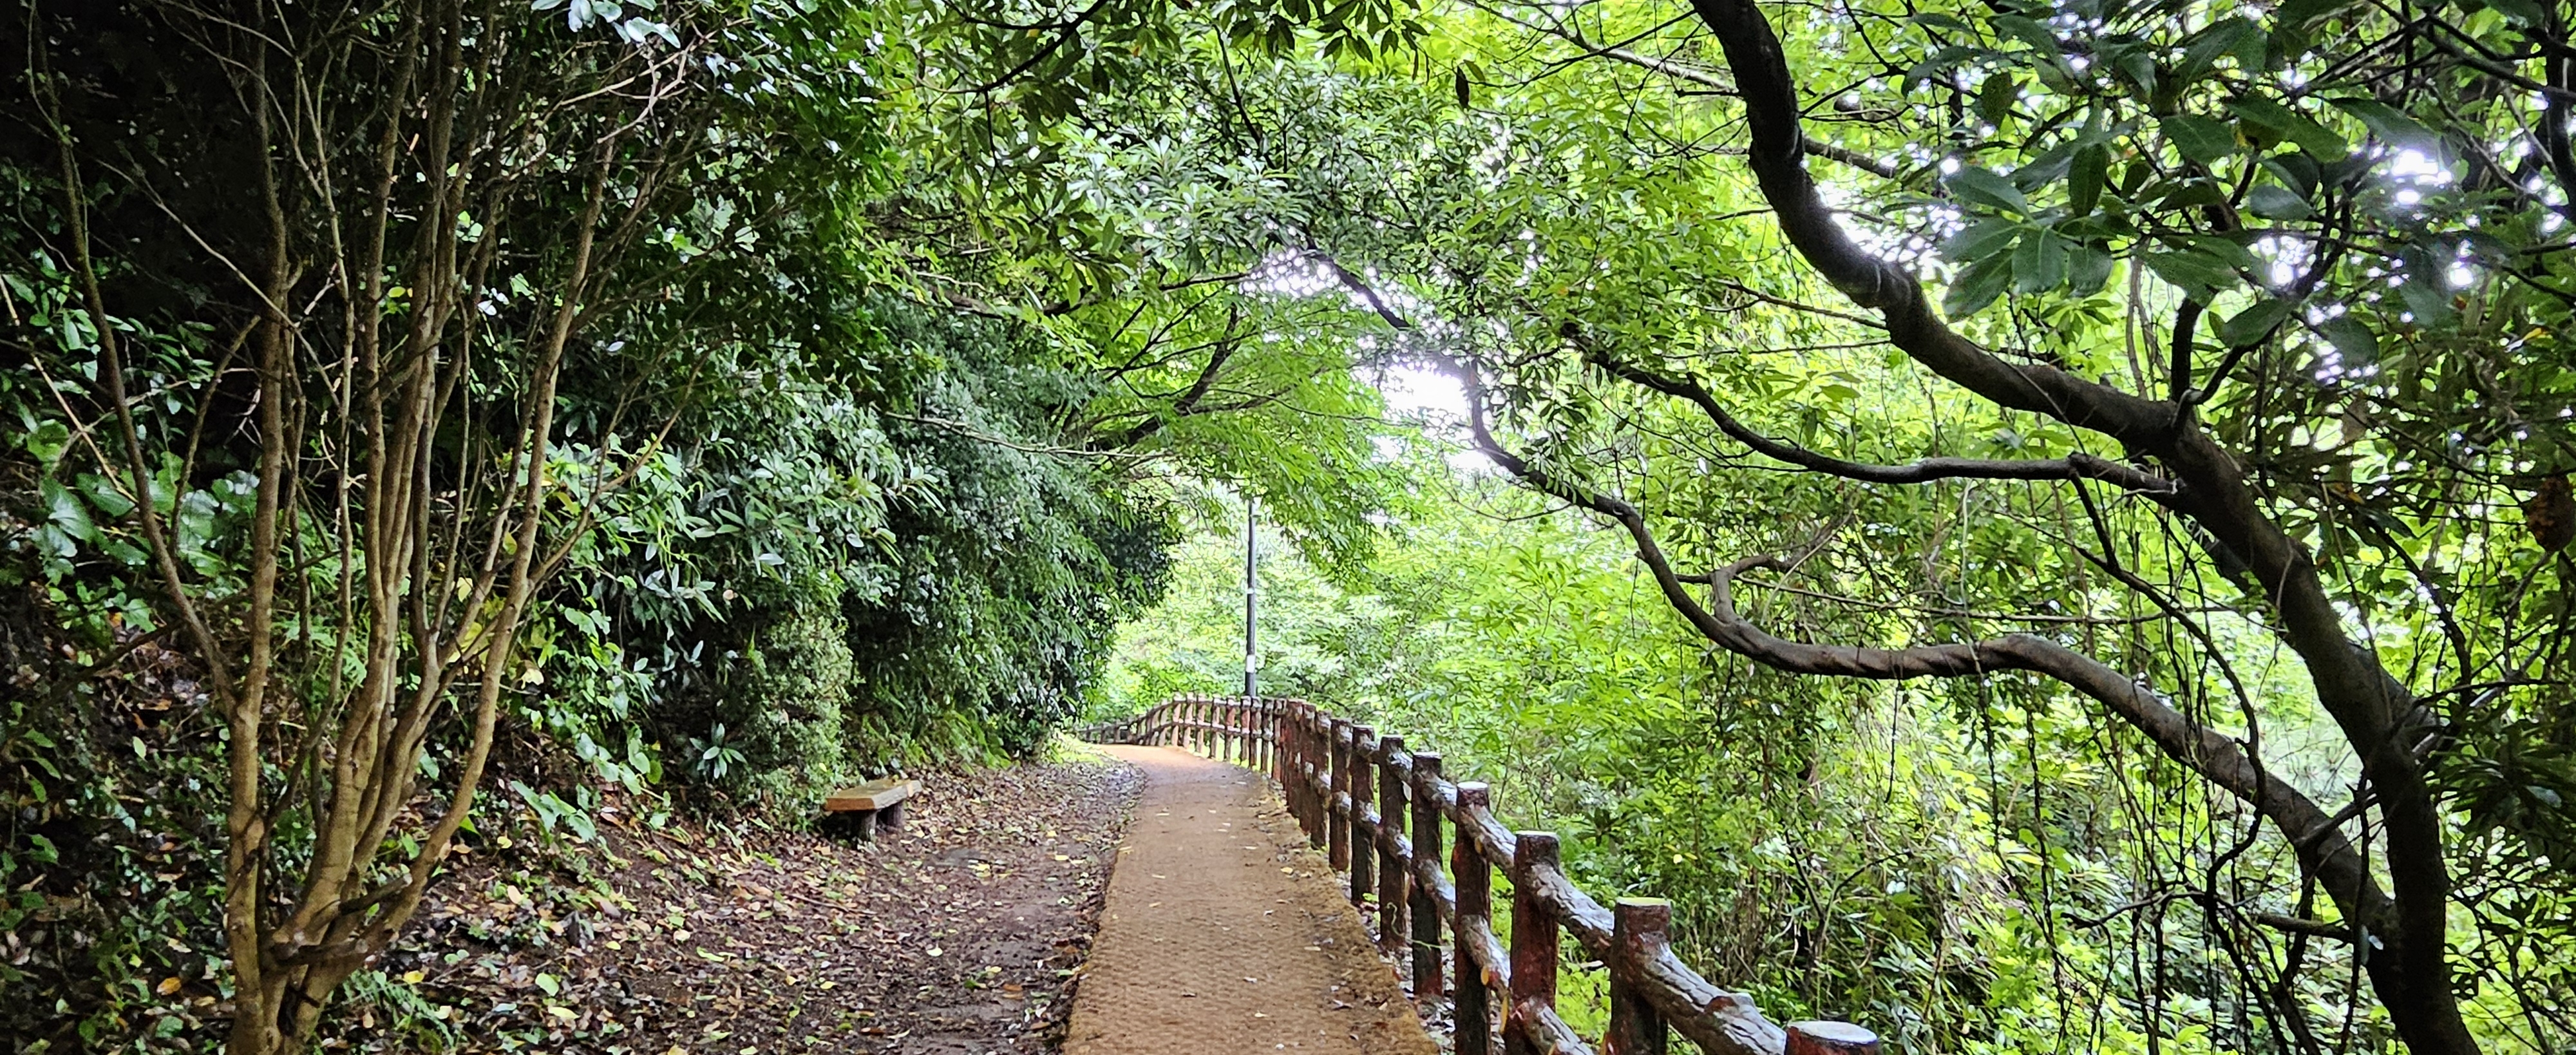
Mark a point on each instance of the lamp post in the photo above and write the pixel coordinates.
(1251, 602)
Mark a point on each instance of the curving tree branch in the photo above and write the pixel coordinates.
(2378, 717)
(2324, 852)
(2077, 466)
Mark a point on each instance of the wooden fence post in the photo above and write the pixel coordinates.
(1534, 941)
(1831, 1038)
(1475, 880)
(1292, 761)
(1426, 848)
(1337, 801)
(1265, 744)
(1639, 933)
(1391, 866)
(1319, 758)
(1364, 753)
(1276, 717)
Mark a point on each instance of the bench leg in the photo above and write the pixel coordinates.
(867, 821)
(892, 817)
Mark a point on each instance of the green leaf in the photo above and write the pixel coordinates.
(2088, 268)
(2277, 203)
(102, 494)
(2195, 272)
(2253, 323)
(2527, 12)
(2351, 337)
(2299, 14)
(2389, 123)
(2203, 139)
(2084, 178)
(2427, 293)
(66, 512)
(1996, 96)
(2039, 262)
(46, 442)
(2136, 63)
(1980, 240)
(1983, 187)
(2291, 125)
(2030, 32)
(2204, 48)
(2044, 168)
(2226, 250)
(1977, 286)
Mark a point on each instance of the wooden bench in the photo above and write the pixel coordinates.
(872, 802)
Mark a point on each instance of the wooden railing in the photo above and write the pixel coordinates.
(1228, 728)
(1382, 814)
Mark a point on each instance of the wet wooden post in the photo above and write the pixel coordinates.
(1475, 880)
(1272, 718)
(1363, 862)
(1534, 939)
(1830, 1038)
(1319, 758)
(1292, 761)
(1639, 932)
(1391, 866)
(1426, 847)
(1337, 800)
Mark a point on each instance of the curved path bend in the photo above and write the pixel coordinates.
(1225, 934)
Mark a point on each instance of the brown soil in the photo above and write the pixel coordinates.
(1225, 933)
(960, 935)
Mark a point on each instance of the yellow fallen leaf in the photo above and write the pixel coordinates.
(167, 986)
(412, 977)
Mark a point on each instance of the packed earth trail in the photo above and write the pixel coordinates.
(1225, 933)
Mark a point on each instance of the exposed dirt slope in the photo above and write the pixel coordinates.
(960, 935)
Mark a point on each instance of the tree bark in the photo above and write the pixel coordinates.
(2409, 967)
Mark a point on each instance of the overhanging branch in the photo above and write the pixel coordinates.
(2322, 848)
(2072, 467)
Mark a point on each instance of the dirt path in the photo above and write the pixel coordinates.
(1223, 933)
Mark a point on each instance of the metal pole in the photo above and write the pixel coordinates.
(1251, 602)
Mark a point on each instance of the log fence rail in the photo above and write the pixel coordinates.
(1382, 814)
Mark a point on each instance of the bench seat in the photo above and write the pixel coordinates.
(873, 802)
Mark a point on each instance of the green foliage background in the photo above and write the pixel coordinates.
(958, 327)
